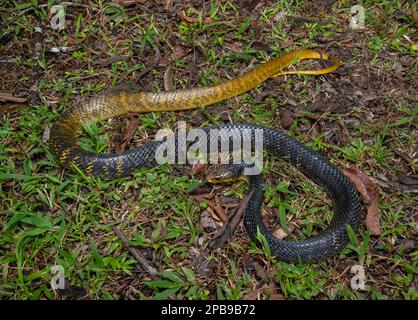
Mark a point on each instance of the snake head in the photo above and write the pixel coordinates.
(222, 173)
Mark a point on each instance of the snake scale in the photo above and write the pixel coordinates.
(66, 131)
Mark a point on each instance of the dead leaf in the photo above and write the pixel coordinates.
(233, 47)
(407, 244)
(347, 39)
(197, 168)
(206, 221)
(168, 79)
(205, 20)
(372, 219)
(363, 184)
(181, 51)
(129, 133)
(369, 192)
(415, 16)
(228, 228)
(126, 3)
(8, 97)
(168, 5)
(219, 210)
(279, 233)
(9, 107)
(409, 180)
(286, 118)
(274, 294)
(261, 46)
(253, 295)
(260, 271)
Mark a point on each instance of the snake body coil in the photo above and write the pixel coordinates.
(64, 135)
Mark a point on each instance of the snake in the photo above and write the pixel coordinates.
(65, 133)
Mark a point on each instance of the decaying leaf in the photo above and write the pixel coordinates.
(6, 97)
(253, 295)
(168, 79)
(197, 168)
(415, 16)
(228, 228)
(368, 190)
(206, 221)
(203, 20)
(9, 107)
(273, 292)
(126, 3)
(279, 233)
(129, 133)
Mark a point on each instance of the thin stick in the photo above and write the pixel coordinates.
(228, 228)
(137, 255)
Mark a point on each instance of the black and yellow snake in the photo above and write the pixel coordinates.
(66, 131)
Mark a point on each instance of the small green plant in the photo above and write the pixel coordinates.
(359, 247)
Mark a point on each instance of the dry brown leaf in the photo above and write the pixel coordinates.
(274, 294)
(206, 221)
(168, 79)
(364, 185)
(168, 5)
(181, 51)
(129, 133)
(368, 190)
(129, 2)
(9, 107)
(372, 219)
(205, 20)
(279, 233)
(415, 16)
(197, 168)
(347, 39)
(229, 226)
(286, 119)
(6, 96)
(233, 47)
(253, 295)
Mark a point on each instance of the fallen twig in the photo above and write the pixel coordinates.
(227, 230)
(34, 89)
(137, 254)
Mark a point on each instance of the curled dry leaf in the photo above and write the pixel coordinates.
(6, 96)
(206, 221)
(253, 295)
(231, 223)
(281, 234)
(126, 3)
(415, 16)
(204, 20)
(168, 79)
(233, 47)
(273, 292)
(368, 190)
(197, 168)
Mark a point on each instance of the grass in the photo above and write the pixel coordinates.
(50, 216)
